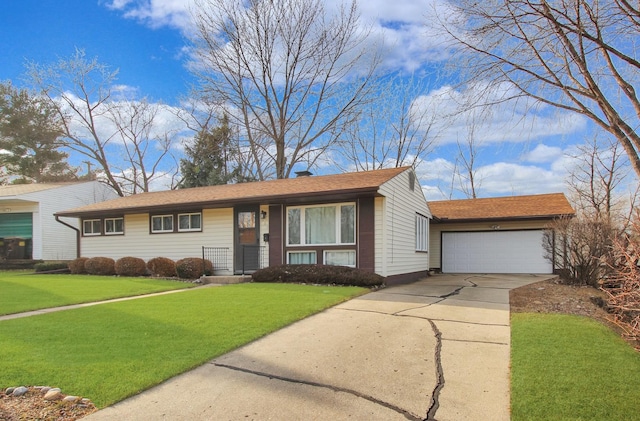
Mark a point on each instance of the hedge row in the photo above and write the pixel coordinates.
(318, 274)
(188, 268)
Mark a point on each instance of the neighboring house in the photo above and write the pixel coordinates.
(374, 220)
(28, 228)
(496, 235)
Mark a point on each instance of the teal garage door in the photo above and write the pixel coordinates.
(16, 225)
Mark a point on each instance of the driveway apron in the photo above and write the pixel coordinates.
(437, 349)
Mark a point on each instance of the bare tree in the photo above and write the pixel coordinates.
(289, 74)
(465, 168)
(392, 131)
(577, 55)
(596, 183)
(143, 146)
(120, 136)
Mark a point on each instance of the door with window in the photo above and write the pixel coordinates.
(247, 239)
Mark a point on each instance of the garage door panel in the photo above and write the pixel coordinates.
(494, 252)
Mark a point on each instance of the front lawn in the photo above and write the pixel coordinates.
(111, 351)
(571, 368)
(21, 291)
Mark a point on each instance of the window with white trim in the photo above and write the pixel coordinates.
(190, 222)
(113, 226)
(321, 224)
(422, 233)
(161, 223)
(91, 227)
(340, 258)
(302, 258)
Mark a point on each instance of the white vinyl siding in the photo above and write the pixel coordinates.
(217, 231)
(395, 227)
(52, 240)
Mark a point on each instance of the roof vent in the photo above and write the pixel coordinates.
(306, 173)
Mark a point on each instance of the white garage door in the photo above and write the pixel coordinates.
(494, 252)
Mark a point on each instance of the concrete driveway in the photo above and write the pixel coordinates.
(434, 349)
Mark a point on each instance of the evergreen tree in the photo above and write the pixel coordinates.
(29, 133)
(209, 158)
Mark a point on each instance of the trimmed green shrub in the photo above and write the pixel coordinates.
(193, 267)
(76, 266)
(318, 274)
(162, 267)
(130, 266)
(100, 266)
(51, 266)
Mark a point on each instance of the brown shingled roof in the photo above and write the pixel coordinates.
(518, 207)
(365, 182)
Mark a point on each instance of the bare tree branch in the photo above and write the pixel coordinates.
(285, 71)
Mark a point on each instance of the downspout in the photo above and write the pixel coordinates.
(77, 234)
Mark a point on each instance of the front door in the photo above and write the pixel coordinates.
(247, 239)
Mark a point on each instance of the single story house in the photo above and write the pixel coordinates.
(495, 235)
(28, 229)
(373, 220)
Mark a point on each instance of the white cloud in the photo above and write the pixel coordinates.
(543, 153)
(487, 113)
(397, 28)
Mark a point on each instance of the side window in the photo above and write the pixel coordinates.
(190, 222)
(162, 223)
(91, 227)
(113, 226)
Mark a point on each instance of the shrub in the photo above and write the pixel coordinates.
(162, 267)
(76, 266)
(130, 266)
(318, 274)
(100, 266)
(193, 267)
(51, 266)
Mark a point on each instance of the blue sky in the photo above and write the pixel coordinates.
(519, 153)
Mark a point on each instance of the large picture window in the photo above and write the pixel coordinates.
(321, 225)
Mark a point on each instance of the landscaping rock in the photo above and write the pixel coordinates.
(9, 390)
(71, 398)
(19, 391)
(53, 395)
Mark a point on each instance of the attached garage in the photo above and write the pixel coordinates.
(494, 252)
(493, 235)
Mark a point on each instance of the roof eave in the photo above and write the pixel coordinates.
(266, 199)
(444, 220)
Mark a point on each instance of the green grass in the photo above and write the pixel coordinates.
(23, 291)
(111, 351)
(571, 368)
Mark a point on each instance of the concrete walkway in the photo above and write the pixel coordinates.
(434, 349)
(94, 303)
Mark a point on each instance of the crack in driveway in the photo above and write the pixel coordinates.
(435, 395)
(399, 410)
